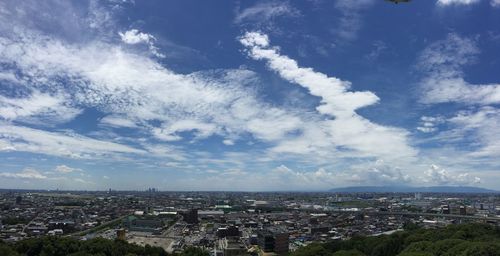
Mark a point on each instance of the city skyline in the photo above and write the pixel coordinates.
(249, 96)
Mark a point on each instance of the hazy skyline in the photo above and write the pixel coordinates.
(249, 95)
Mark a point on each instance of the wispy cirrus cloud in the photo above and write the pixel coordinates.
(351, 20)
(456, 2)
(442, 63)
(27, 173)
(136, 91)
(118, 121)
(66, 169)
(265, 11)
(61, 178)
(479, 127)
(38, 108)
(18, 138)
(443, 81)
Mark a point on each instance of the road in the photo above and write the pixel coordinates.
(96, 228)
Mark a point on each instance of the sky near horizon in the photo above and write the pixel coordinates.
(249, 95)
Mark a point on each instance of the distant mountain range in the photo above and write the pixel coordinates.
(402, 189)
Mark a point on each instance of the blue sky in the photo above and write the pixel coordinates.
(249, 95)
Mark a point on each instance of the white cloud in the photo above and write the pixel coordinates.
(41, 108)
(347, 129)
(135, 88)
(133, 91)
(378, 48)
(118, 121)
(336, 99)
(98, 19)
(382, 173)
(134, 36)
(228, 142)
(456, 2)
(283, 177)
(495, 3)
(350, 20)
(442, 63)
(66, 169)
(319, 177)
(281, 124)
(265, 11)
(440, 176)
(481, 126)
(165, 151)
(80, 180)
(9, 77)
(105, 177)
(19, 138)
(425, 129)
(375, 173)
(27, 173)
(314, 140)
(473, 130)
(138, 92)
(279, 178)
(429, 124)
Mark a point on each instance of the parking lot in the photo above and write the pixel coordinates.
(142, 239)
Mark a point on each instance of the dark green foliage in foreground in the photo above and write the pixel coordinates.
(62, 246)
(7, 250)
(454, 240)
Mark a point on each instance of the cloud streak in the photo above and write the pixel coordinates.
(350, 20)
(456, 2)
(16, 138)
(443, 82)
(266, 11)
(347, 128)
(442, 62)
(27, 173)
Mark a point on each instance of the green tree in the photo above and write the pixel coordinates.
(7, 250)
(314, 249)
(348, 253)
(415, 254)
(194, 251)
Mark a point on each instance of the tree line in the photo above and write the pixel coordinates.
(454, 240)
(66, 246)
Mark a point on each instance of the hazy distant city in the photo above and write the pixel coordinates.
(234, 223)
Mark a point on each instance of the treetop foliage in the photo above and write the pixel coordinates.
(65, 246)
(454, 240)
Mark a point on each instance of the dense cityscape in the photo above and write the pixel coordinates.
(233, 223)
